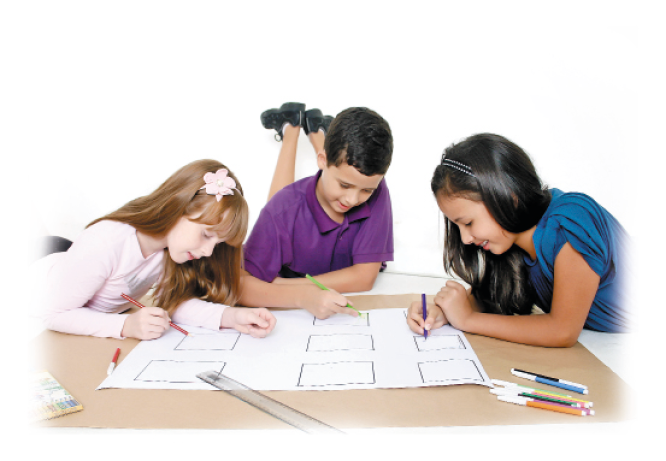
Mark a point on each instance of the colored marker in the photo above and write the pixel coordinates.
(531, 377)
(112, 365)
(524, 401)
(310, 278)
(425, 314)
(518, 393)
(561, 405)
(141, 306)
(582, 386)
(520, 387)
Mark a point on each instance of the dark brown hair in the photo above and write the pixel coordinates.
(505, 180)
(361, 138)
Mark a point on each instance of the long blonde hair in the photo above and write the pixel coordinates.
(215, 278)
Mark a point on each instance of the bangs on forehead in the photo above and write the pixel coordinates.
(225, 220)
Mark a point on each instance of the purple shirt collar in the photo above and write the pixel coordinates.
(324, 221)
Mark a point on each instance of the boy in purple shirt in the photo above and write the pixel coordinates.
(336, 225)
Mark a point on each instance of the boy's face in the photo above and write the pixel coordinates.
(343, 187)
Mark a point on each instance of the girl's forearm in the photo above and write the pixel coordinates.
(535, 329)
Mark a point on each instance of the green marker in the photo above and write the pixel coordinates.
(310, 278)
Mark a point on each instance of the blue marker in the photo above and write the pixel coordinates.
(550, 382)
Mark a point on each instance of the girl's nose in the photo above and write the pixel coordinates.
(207, 249)
(466, 237)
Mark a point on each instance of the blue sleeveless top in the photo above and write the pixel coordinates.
(601, 240)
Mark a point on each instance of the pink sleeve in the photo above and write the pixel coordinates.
(72, 280)
(198, 313)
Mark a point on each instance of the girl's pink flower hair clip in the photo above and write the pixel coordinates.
(219, 184)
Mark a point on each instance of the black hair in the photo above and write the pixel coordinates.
(362, 138)
(505, 180)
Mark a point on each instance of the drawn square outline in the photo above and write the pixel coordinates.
(372, 372)
(421, 340)
(236, 334)
(372, 343)
(464, 380)
(194, 378)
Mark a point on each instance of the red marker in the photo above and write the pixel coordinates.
(112, 365)
(138, 304)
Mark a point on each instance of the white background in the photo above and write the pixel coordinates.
(102, 101)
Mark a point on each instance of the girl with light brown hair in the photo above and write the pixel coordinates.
(184, 239)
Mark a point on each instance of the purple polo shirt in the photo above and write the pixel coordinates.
(294, 236)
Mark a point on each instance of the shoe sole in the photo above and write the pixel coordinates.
(289, 111)
(315, 120)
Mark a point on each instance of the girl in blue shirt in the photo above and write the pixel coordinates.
(518, 244)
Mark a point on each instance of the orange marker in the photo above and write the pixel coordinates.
(545, 406)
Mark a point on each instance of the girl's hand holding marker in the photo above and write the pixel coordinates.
(146, 323)
(435, 317)
(255, 322)
(184, 239)
(517, 244)
(156, 312)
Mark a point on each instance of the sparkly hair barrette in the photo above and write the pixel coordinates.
(219, 184)
(458, 166)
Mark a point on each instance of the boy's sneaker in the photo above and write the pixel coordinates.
(314, 120)
(289, 112)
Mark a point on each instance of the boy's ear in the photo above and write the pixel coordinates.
(321, 159)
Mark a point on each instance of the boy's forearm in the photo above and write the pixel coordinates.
(359, 277)
(257, 293)
(281, 293)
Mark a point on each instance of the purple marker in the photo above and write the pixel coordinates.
(425, 314)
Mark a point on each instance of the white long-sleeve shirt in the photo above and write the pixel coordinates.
(80, 290)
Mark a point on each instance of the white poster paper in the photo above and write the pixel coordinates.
(304, 353)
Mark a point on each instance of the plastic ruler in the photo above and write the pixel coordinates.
(266, 404)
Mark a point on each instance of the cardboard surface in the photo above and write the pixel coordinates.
(79, 363)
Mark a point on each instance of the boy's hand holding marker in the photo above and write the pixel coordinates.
(324, 304)
(328, 302)
(320, 302)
